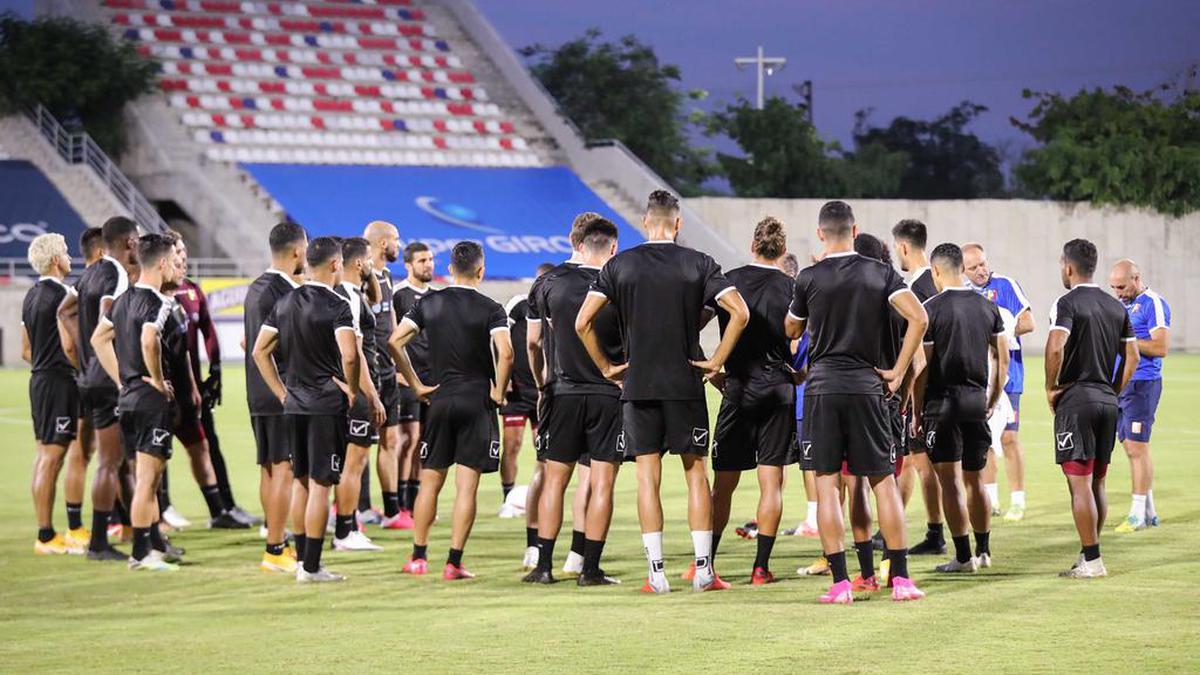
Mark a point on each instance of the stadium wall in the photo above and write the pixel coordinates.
(1023, 240)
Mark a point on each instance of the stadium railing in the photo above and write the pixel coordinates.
(198, 268)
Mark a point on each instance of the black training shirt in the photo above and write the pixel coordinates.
(458, 322)
(382, 311)
(534, 312)
(1097, 327)
(364, 319)
(308, 320)
(403, 300)
(845, 299)
(659, 290)
(962, 325)
(105, 278)
(922, 284)
(39, 316)
(175, 350)
(559, 296)
(763, 352)
(261, 298)
(522, 377)
(140, 306)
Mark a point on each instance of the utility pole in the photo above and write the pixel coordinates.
(765, 65)
(805, 90)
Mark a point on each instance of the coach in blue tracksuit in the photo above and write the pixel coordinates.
(1151, 318)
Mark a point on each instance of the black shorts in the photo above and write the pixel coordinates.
(319, 446)
(915, 442)
(272, 439)
(461, 428)
(679, 427)
(748, 435)
(101, 401)
(898, 423)
(583, 426)
(147, 428)
(360, 431)
(389, 395)
(1084, 430)
(54, 401)
(408, 407)
(956, 430)
(850, 428)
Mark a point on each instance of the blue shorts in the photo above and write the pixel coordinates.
(1014, 397)
(1137, 404)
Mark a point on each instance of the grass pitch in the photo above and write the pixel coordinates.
(220, 613)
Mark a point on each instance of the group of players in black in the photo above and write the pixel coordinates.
(339, 359)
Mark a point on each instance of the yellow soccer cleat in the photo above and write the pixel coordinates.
(1016, 513)
(1131, 524)
(56, 546)
(77, 540)
(821, 566)
(282, 563)
(884, 574)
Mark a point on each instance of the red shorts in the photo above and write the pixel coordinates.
(188, 429)
(1085, 468)
(515, 421)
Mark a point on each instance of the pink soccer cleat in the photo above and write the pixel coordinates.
(905, 589)
(689, 573)
(806, 530)
(401, 521)
(453, 573)
(415, 566)
(838, 594)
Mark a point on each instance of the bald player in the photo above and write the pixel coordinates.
(1016, 312)
(1151, 318)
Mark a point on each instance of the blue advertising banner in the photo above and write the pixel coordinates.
(520, 216)
(30, 205)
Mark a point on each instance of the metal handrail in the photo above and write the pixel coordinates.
(80, 148)
(198, 268)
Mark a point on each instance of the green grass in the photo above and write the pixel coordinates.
(221, 614)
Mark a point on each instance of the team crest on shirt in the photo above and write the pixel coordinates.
(159, 436)
(699, 436)
(494, 450)
(335, 463)
(62, 424)
(991, 294)
(424, 450)
(359, 427)
(1066, 441)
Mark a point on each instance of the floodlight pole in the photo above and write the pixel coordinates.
(765, 65)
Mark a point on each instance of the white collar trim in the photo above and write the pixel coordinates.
(285, 275)
(843, 254)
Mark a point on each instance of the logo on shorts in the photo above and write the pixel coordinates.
(930, 438)
(494, 450)
(621, 441)
(359, 427)
(159, 436)
(335, 463)
(699, 436)
(714, 449)
(537, 442)
(424, 450)
(806, 449)
(63, 424)
(893, 453)
(1066, 441)
(1135, 427)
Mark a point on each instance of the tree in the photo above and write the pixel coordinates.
(620, 90)
(944, 160)
(1116, 147)
(78, 71)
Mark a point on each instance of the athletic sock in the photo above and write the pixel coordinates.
(993, 493)
(962, 548)
(156, 539)
(1017, 498)
(837, 566)
(402, 495)
(413, 487)
(275, 549)
(866, 558)
(121, 513)
(141, 542)
(982, 543)
(364, 491)
(545, 554)
(343, 526)
(301, 544)
(531, 537)
(212, 498)
(935, 532)
(1092, 552)
(652, 544)
(507, 488)
(810, 516)
(45, 534)
(1137, 508)
(99, 540)
(899, 558)
(766, 543)
(391, 504)
(74, 516)
(577, 539)
(454, 557)
(702, 545)
(312, 554)
(163, 496)
(420, 552)
(1150, 512)
(592, 550)
(715, 544)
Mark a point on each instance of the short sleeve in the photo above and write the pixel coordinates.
(1160, 312)
(715, 282)
(1062, 315)
(115, 282)
(533, 310)
(515, 311)
(798, 310)
(1127, 334)
(271, 322)
(345, 315)
(155, 315)
(605, 283)
(894, 283)
(415, 316)
(497, 320)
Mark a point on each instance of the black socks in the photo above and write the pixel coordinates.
(74, 516)
(301, 543)
(592, 550)
(141, 542)
(1091, 553)
(45, 534)
(455, 557)
(212, 498)
(391, 504)
(866, 558)
(99, 540)
(276, 549)
(531, 536)
(343, 526)
(420, 552)
(312, 554)
(934, 532)
(962, 548)
(545, 554)
(577, 539)
(837, 565)
(766, 543)
(899, 558)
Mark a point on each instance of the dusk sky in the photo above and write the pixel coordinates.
(914, 58)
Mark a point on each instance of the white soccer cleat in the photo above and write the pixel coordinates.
(355, 541)
(1086, 569)
(574, 563)
(321, 576)
(954, 566)
(984, 560)
(531, 558)
(171, 516)
(510, 511)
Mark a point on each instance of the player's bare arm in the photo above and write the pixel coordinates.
(403, 334)
(1132, 357)
(1055, 342)
(1025, 323)
(26, 347)
(68, 328)
(106, 354)
(352, 365)
(998, 354)
(152, 354)
(502, 346)
(586, 329)
(1158, 344)
(533, 346)
(919, 382)
(794, 327)
(264, 348)
(906, 303)
(739, 315)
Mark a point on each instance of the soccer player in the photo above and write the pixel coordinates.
(366, 414)
(129, 345)
(585, 420)
(1014, 309)
(910, 238)
(1089, 332)
(463, 327)
(289, 248)
(53, 396)
(755, 427)
(659, 290)
(964, 347)
(1151, 318)
(384, 239)
(418, 261)
(843, 302)
(100, 285)
(314, 327)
